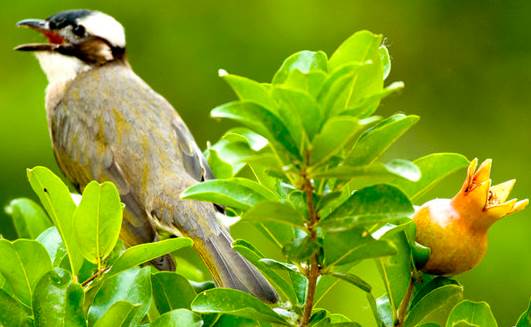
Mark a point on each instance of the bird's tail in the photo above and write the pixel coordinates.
(230, 269)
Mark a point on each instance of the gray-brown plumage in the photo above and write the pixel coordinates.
(107, 124)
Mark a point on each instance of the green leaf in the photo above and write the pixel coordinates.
(384, 311)
(367, 105)
(241, 134)
(240, 193)
(132, 285)
(473, 313)
(58, 301)
(396, 270)
(436, 303)
(57, 201)
(429, 286)
(525, 318)
(336, 133)
(52, 242)
(247, 89)
(373, 142)
(227, 157)
(353, 245)
(299, 107)
(97, 221)
(28, 218)
(261, 121)
(359, 47)
(178, 318)
(220, 168)
(352, 279)
(24, 262)
(434, 168)
(139, 254)
(385, 59)
(304, 70)
(304, 62)
(370, 205)
(274, 211)
(171, 291)
(120, 314)
(396, 167)
(13, 313)
(236, 303)
(255, 257)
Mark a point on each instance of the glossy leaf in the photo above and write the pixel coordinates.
(236, 303)
(525, 319)
(303, 61)
(386, 313)
(52, 242)
(236, 192)
(434, 168)
(178, 318)
(255, 257)
(473, 313)
(132, 285)
(261, 121)
(227, 157)
(299, 108)
(139, 254)
(370, 205)
(396, 167)
(367, 105)
(241, 134)
(57, 201)
(352, 279)
(336, 133)
(430, 285)
(359, 47)
(247, 89)
(120, 314)
(58, 301)
(373, 142)
(438, 302)
(28, 218)
(97, 221)
(171, 291)
(24, 262)
(274, 211)
(385, 60)
(13, 313)
(220, 168)
(353, 245)
(396, 270)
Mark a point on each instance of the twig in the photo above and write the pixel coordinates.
(402, 311)
(313, 270)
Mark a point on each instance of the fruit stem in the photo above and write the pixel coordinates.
(402, 311)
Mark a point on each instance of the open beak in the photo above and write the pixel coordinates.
(42, 26)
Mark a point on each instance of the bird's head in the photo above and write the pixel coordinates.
(77, 40)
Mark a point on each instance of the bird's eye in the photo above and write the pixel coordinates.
(79, 30)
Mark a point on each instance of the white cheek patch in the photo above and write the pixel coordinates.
(104, 26)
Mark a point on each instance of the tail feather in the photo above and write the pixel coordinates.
(230, 269)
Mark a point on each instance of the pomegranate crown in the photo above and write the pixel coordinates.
(478, 197)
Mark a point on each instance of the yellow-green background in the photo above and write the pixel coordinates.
(466, 65)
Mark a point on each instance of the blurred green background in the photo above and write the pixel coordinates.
(466, 65)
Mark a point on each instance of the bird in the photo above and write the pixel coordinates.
(107, 124)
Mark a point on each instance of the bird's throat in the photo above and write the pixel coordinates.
(60, 70)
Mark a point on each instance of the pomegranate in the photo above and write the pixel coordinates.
(456, 229)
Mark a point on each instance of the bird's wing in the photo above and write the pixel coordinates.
(83, 154)
(194, 162)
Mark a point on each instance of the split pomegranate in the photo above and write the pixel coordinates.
(456, 229)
